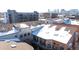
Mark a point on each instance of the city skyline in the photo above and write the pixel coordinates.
(37, 5)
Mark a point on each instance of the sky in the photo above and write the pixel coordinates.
(37, 5)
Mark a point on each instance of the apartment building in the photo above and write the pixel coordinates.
(14, 17)
(55, 37)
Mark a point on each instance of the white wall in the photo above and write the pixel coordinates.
(25, 31)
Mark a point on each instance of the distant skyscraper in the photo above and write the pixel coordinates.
(73, 11)
(63, 11)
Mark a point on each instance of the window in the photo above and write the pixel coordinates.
(54, 43)
(49, 46)
(44, 42)
(21, 36)
(40, 41)
(35, 38)
(16, 36)
(28, 33)
(25, 34)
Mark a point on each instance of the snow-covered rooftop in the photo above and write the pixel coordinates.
(63, 35)
(23, 25)
(9, 32)
(74, 22)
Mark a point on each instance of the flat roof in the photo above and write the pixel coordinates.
(21, 25)
(75, 22)
(50, 32)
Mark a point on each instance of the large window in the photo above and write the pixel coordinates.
(28, 34)
(48, 45)
(42, 41)
(16, 36)
(21, 36)
(35, 38)
(25, 34)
